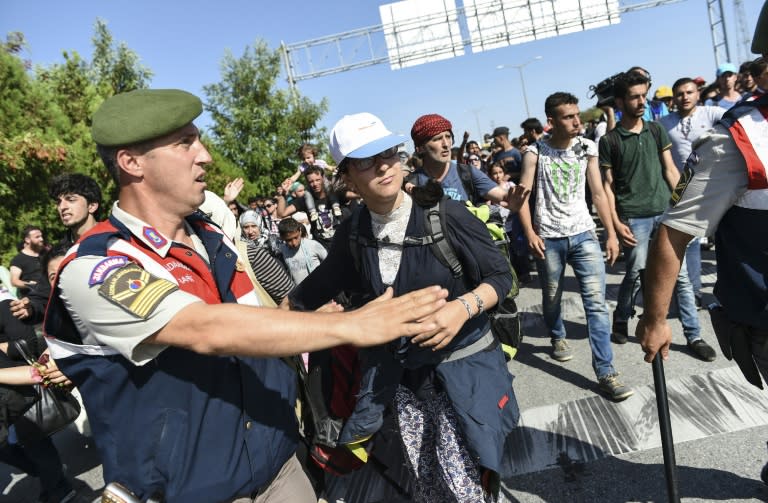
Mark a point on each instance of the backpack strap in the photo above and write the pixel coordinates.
(655, 128)
(614, 144)
(354, 237)
(465, 174)
(656, 132)
(435, 238)
(434, 224)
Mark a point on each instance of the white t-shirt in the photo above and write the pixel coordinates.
(561, 208)
(684, 131)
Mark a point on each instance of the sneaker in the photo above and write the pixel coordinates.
(616, 391)
(561, 351)
(619, 331)
(702, 350)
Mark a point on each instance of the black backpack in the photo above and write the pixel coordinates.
(614, 143)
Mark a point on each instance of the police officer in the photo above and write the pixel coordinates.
(146, 322)
(724, 187)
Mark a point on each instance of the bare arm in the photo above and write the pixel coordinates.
(16, 278)
(497, 194)
(17, 376)
(664, 260)
(463, 146)
(231, 329)
(671, 173)
(600, 200)
(622, 230)
(282, 209)
(535, 243)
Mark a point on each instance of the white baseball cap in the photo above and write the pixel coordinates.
(361, 135)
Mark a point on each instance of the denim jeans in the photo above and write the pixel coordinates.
(693, 264)
(635, 257)
(584, 255)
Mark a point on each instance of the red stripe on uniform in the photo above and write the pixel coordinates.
(755, 168)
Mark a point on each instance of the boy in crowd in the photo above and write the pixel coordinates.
(301, 255)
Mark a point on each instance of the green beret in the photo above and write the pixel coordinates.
(141, 115)
(760, 40)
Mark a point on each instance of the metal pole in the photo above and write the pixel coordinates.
(665, 428)
(525, 96)
(665, 423)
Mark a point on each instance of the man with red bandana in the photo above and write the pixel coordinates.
(432, 135)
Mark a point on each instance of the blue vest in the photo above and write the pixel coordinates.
(742, 236)
(192, 427)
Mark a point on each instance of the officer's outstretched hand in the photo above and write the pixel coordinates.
(654, 337)
(388, 317)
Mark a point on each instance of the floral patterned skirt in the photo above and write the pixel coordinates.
(442, 468)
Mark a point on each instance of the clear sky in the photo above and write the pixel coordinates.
(184, 42)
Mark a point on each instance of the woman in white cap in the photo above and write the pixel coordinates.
(451, 390)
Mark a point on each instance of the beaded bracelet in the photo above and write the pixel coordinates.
(478, 301)
(466, 306)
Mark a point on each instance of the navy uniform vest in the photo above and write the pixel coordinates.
(742, 236)
(192, 427)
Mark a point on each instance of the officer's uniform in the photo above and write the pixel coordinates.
(166, 420)
(192, 427)
(725, 188)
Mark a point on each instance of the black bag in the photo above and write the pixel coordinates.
(505, 323)
(52, 411)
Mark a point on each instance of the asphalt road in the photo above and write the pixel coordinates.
(573, 445)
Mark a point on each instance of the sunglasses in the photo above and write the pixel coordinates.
(269, 205)
(368, 162)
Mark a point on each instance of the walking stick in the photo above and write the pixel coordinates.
(665, 425)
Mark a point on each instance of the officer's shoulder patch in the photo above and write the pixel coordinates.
(685, 178)
(104, 267)
(135, 290)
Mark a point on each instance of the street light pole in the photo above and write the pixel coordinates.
(522, 80)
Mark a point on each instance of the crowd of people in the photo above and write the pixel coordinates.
(189, 322)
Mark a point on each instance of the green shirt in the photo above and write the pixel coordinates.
(638, 183)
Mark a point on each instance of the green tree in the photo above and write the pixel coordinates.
(256, 126)
(30, 148)
(45, 120)
(116, 69)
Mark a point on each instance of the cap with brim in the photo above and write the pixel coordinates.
(361, 135)
(499, 131)
(144, 114)
(726, 68)
(760, 38)
(663, 92)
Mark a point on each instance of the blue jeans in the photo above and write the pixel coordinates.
(584, 255)
(693, 263)
(636, 257)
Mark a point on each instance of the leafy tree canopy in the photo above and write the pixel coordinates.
(45, 120)
(256, 126)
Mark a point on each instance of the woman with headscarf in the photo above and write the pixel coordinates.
(269, 269)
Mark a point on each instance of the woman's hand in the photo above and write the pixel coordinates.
(50, 372)
(449, 320)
